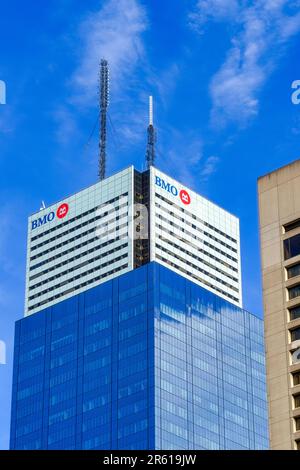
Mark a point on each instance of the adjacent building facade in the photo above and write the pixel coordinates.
(134, 335)
(279, 207)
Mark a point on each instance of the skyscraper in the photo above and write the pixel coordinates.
(134, 334)
(279, 203)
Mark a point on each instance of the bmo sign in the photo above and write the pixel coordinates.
(61, 212)
(170, 188)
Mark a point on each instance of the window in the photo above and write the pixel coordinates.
(295, 334)
(294, 292)
(297, 401)
(167, 261)
(293, 271)
(297, 424)
(297, 445)
(80, 216)
(291, 247)
(90, 281)
(296, 378)
(294, 313)
(78, 266)
(292, 225)
(195, 217)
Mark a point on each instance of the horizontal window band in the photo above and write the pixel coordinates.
(83, 224)
(76, 247)
(201, 260)
(91, 230)
(77, 217)
(159, 206)
(165, 250)
(78, 256)
(196, 218)
(81, 265)
(74, 278)
(73, 289)
(200, 240)
(197, 278)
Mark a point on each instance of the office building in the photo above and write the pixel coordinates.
(123, 222)
(134, 335)
(279, 207)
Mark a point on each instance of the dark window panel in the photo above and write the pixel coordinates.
(294, 313)
(291, 247)
(295, 334)
(293, 271)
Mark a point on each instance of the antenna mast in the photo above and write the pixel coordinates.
(150, 153)
(103, 102)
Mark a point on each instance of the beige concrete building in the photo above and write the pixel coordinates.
(279, 208)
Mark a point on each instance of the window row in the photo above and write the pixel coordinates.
(78, 276)
(197, 258)
(73, 219)
(84, 224)
(186, 222)
(196, 218)
(79, 286)
(71, 250)
(190, 274)
(192, 235)
(63, 244)
(81, 265)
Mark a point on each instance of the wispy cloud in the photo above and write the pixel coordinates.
(217, 10)
(114, 32)
(165, 83)
(209, 167)
(260, 31)
(184, 157)
(180, 154)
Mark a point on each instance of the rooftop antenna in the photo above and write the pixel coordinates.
(103, 102)
(150, 153)
(43, 206)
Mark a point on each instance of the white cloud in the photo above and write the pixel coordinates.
(180, 155)
(114, 33)
(209, 167)
(212, 9)
(184, 158)
(165, 83)
(261, 29)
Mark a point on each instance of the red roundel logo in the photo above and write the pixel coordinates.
(185, 197)
(62, 210)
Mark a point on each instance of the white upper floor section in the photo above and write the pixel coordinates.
(194, 237)
(80, 242)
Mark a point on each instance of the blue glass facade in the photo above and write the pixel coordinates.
(148, 360)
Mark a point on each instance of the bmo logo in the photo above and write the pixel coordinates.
(61, 212)
(183, 194)
(185, 197)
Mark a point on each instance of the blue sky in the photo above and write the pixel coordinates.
(220, 72)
